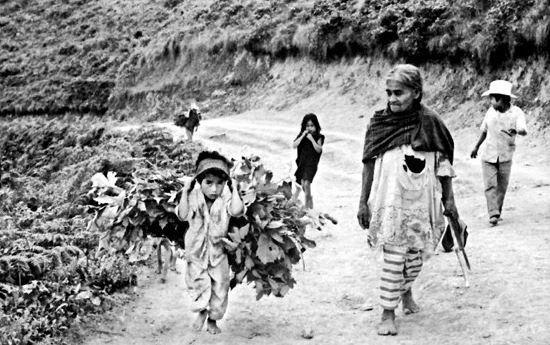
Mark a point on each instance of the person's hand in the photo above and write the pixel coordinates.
(512, 131)
(189, 185)
(473, 154)
(309, 136)
(364, 216)
(450, 208)
(231, 184)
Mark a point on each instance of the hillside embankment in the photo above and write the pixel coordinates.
(150, 59)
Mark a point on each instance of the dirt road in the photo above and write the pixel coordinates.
(506, 303)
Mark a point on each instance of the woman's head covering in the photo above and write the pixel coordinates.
(408, 75)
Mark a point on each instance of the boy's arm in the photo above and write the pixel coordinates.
(480, 141)
(183, 207)
(521, 128)
(236, 205)
(364, 214)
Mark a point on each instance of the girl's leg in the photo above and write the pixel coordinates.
(297, 192)
(306, 185)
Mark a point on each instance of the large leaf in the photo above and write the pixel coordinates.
(267, 251)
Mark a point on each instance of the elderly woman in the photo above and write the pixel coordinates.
(406, 188)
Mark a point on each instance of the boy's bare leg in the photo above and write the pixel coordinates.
(387, 323)
(199, 321)
(409, 305)
(212, 327)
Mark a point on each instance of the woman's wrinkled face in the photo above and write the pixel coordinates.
(400, 97)
(212, 186)
(310, 127)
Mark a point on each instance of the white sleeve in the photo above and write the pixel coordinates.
(484, 126)
(520, 121)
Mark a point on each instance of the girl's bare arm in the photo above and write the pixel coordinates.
(318, 146)
(296, 142)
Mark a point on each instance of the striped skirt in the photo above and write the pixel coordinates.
(400, 268)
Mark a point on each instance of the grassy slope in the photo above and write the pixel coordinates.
(64, 55)
(152, 57)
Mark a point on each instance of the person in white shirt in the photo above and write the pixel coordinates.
(503, 122)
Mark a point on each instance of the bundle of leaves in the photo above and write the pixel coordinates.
(265, 244)
(130, 212)
(262, 246)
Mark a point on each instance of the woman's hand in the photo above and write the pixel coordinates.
(364, 216)
(450, 208)
(473, 154)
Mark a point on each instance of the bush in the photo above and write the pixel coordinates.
(49, 273)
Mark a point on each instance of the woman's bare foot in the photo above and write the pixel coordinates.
(212, 327)
(409, 305)
(199, 321)
(387, 324)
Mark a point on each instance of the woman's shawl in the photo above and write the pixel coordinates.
(421, 128)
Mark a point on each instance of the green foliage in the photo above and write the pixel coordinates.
(77, 48)
(49, 273)
(129, 214)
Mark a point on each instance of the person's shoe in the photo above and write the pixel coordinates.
(493, 220)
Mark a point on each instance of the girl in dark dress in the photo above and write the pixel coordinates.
(309, 143)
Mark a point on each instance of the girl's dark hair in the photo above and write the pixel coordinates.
(216, 172)
(313, 119)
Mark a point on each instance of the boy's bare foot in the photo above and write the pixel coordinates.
(199, 321)
(212, 327)
(387, 324)
(409, 305)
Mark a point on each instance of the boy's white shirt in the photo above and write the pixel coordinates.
(207, 227)
(500, 146)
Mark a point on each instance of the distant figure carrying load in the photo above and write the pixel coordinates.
(309, 143)
(503, 121)
(190, 122)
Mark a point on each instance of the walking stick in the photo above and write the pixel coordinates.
(456, 232)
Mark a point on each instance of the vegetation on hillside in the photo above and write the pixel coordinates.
(87, 55)
(49, 274)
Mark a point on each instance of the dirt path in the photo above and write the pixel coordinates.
(506, 303)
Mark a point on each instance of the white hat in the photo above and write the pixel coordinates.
(500, 87)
